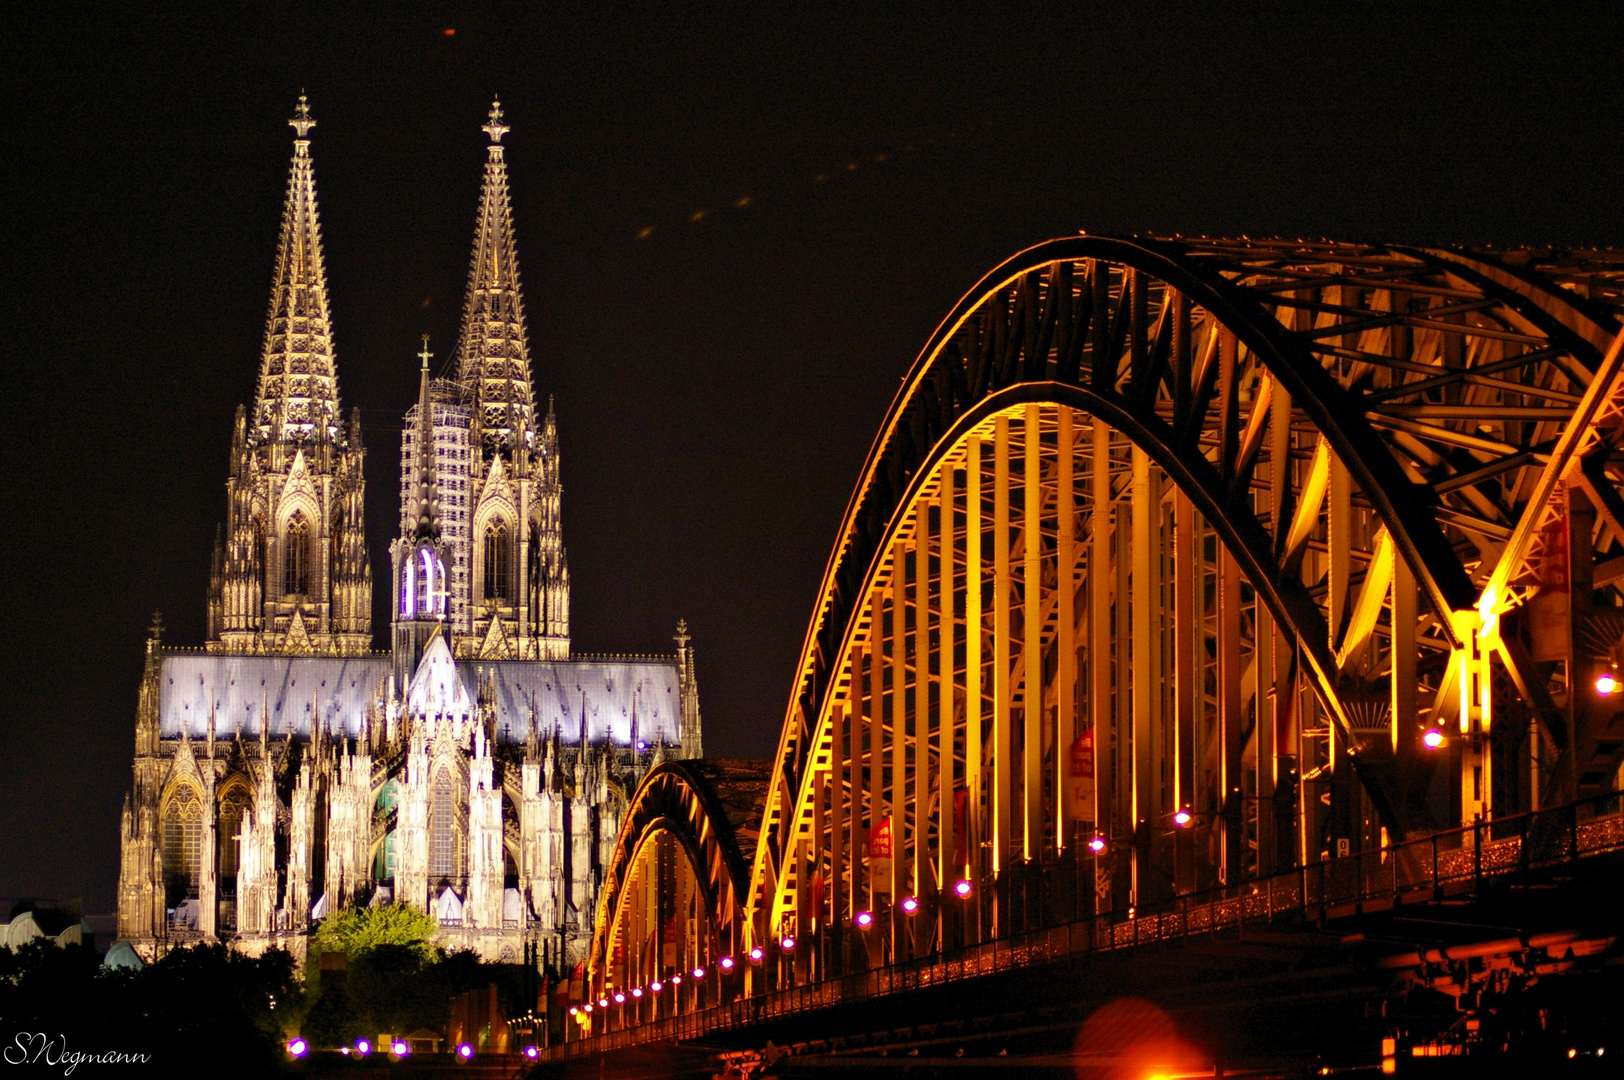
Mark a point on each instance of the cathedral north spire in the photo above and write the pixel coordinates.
(297, 398)
(493, 354)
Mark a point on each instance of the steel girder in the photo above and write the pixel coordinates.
(672, 800)
(1439, 381)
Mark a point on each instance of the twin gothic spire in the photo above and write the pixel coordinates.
(297, 398)
(493, 355)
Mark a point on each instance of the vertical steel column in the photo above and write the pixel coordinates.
(1099, 615)
(861, 728)
(1340, 540)
(877, 808)
(1002, 743)
(1145, 671)
(1404, 731)
(899, 714)
(1230, 726)
(1032, 704)
(840, 764)
(946, 663)
(972, 653)
(1187, 633)
(1066, 623)
(919, 862)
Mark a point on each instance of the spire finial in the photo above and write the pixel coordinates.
(496, 129)
(301, 122)
(425, 355)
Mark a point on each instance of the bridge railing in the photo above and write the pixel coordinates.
(1453, 862)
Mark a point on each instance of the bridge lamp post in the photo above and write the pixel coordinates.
(1432, 739)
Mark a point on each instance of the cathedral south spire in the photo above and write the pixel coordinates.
(291, 572)
(493, 354)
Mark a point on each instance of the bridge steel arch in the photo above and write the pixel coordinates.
(1167, 562)
(1261, 510)
(672, 894)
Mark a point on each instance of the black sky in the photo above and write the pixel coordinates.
(718, 380)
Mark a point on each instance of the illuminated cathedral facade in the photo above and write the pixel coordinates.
(478, 770)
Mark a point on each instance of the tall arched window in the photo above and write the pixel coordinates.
(442, 826)
(232, 806)
(183, 843)
(296, 556)
(498, 561)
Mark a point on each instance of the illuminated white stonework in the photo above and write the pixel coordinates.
(478, 770)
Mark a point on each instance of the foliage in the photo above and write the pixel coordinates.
(355, 930)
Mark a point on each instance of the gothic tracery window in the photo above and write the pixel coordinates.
(233, 804)
(442, 820)
(296, 556)
(183, 842)
(498, 560)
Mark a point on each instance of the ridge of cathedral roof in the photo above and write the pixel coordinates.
(296, 399)
(493, 352)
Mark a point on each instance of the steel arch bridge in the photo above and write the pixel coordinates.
(1176, 564)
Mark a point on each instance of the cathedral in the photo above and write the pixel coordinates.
(478, 770)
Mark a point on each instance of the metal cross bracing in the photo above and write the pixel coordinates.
(1180, 563)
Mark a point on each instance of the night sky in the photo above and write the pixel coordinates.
(736, 228)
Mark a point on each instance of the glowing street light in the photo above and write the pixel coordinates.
(1097, 844)
(1433, 738)
(637, 991)
(787, 943)
(362, 1047)
(864, 920)
(1182, 818)
(603, 1003)
(909, 905)
(962, 888)
(532, 1052)
(1607, 683)
(400, 1047)
(756, 954)
(298, 1048)
(465, 1051)
(620, 998)
(575, 1010)
(656, 986)
(587, 1008)
(699, 973)
(726, 963)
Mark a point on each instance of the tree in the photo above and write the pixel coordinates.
(355, 930)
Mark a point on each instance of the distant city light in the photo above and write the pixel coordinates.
(298, 1047)
(962, 888)
(909, 905)
(400, 1047)
(363, 1047)
(1433, 738)
(864, 920)
(641, 745)
(532, 1052)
